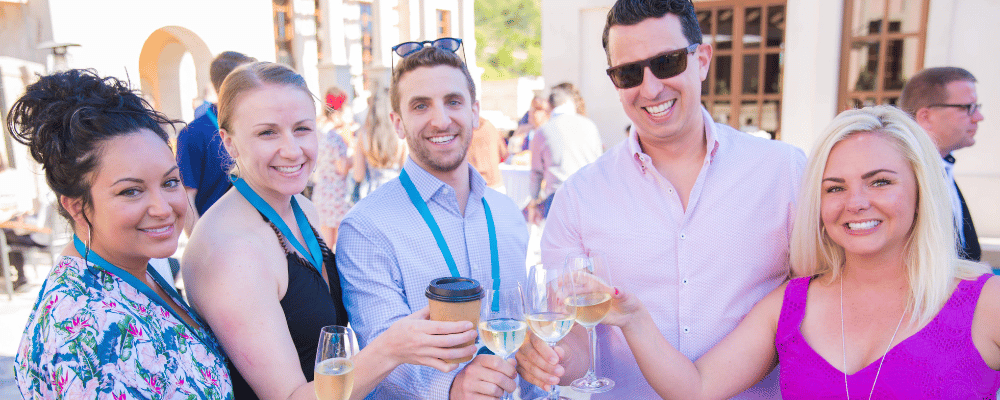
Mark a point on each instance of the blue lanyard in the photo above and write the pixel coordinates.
(314, 255)
(418, 202)
(91, 256)
(211, 116)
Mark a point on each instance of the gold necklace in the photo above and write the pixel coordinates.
(843, 340)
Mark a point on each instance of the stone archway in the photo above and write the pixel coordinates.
(159, 67)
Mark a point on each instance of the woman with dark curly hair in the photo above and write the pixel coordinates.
(106, 324)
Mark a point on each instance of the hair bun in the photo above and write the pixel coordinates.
(63, 118)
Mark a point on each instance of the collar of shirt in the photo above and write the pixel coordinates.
(568, 108)
(948, 162)
(644, 161)
(430, 187)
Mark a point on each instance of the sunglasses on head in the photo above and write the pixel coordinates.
(664, 65)
(407, 48)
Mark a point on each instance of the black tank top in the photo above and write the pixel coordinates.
(308, 307)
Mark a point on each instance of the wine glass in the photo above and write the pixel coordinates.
(592, 301)
(334, 374)
(549, 315)
(501, 323)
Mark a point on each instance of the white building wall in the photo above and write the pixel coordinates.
(112, 32)
(811, 70)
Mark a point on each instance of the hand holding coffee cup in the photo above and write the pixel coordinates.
(455, 299)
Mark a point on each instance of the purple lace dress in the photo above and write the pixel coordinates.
(938, 362)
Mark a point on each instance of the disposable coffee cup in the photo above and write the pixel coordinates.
(455, 299)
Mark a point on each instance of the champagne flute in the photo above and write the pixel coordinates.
(549, 315)
(334, 374)
(592, 300)
(501, 323)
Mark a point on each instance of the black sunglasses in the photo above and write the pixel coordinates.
(970, 109)
(663, 65)
(447, 43)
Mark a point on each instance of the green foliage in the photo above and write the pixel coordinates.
(509, 38)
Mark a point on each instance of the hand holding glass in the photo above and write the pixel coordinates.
(501, 322)
(592, 300)
(334, 374)
(549, 314)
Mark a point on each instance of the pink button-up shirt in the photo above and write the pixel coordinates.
(698, 271)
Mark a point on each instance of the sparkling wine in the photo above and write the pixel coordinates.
(503, 336)
(334, 379)
(590, 308)
(550, 327)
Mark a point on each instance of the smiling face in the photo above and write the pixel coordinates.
(138, 202)
(952, 128)
(869, 197)
(437, 115)
(661, 109)
(273, 140)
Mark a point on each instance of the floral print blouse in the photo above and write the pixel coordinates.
(94, 335)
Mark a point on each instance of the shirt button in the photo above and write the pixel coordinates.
(670, 190)
(687, 330)
(683, 236)
(685, 281)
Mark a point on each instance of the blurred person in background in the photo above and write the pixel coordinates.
(536, 116)
(581, 105)
(379, 153)
(486, 152)
(563, 145)
(200, 155)
(106, 323)
(332, 164)
(944, 102)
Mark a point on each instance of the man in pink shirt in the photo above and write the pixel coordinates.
(693, 217)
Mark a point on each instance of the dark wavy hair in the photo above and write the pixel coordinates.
(65, 118)
(631, 12)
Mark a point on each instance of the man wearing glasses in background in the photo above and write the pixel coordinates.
(693, 217)
(943, 101)
(387, 252)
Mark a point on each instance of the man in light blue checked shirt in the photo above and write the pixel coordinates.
(386, 251)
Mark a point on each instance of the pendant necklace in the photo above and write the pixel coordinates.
(843, 339)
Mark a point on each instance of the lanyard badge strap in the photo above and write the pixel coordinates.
(314, 255)
(425, 213)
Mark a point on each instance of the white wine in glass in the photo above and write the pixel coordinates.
(501, 322)
(592, 300)
(550, 316)
(333, 377)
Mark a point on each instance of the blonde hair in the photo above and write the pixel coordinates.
(931, 255)
(378, 141)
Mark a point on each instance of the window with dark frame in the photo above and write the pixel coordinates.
(443, 23)
(743, 88)
(284, 31)
(883, 45)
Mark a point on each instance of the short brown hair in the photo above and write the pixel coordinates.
(427, 57)
(223, 64)
(928, 87)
